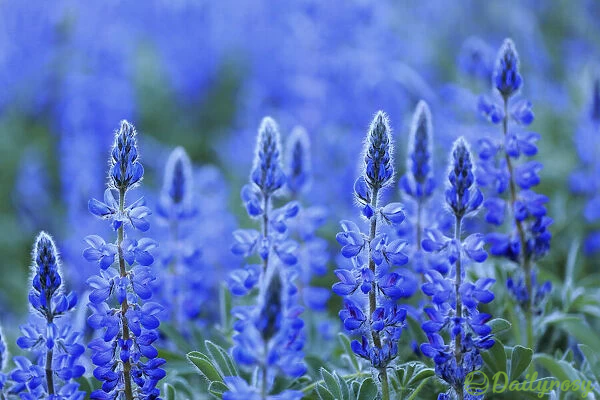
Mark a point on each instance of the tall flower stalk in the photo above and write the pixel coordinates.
(585, 181)
(125, 358)
(184, 287)
(454, 311)
(375, 315)
(529, 239)
(269, 335)
(312, 249)
(54, 344)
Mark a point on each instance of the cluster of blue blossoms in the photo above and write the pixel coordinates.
(584, 181)
(454, 299)
(312, 250)
(126, 361)
(510, 183)
(372, 311)
(49, 337)
(181, 292)
(268, 335)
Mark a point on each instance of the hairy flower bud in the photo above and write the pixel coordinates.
(379, 169)
(462, 196)
(46, 279)
(267, 172)
(507, 79)
(125, 170)
(418, 181)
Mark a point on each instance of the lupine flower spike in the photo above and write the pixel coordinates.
(126, 361)
(266, 180)
(312, 250)
(372, 311)
(418, 182)
(510, 184)
(184, 288)
(453, 313)
(52, 342)
(585, 181)
(269, 336)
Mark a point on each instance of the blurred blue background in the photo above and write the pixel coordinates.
(202, 74)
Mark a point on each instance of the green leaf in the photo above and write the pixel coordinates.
(332, 383)
(217, 389)
(495, 359)
(499, 325)
(348, 350)
(575, 326)
(221, 359)
(205, 366)
(561, 370)
(323, 393)
(169, 392)
(519, 361)
(367, 390)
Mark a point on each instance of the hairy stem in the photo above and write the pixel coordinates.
(265, 381)
(265, 229)
(525, 258)
(174, 272)
(125, 304)
(49, 372)
(457, 283)
(385, 390)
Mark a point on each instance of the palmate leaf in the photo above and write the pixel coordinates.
(410, 378)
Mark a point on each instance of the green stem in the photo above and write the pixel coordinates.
(174, 272)
(125, 304)
(49, 372)
(265, 230)
(265, 381)
(457, 282)
(525, 258)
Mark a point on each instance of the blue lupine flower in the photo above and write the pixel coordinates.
(584, 180)
(418, 181)
(125, 358)
(54, 343)
(462, 196)
(267, 179)
(186, 281)
(298, 171)
(267, 172)
(507, 79)
(529, 239)
(455, 299)
(379, 169)
(269, 336)
(540, 293)
(374, 258)
(312, 250)
(125, 170)
(176, 197)
(476, 59)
